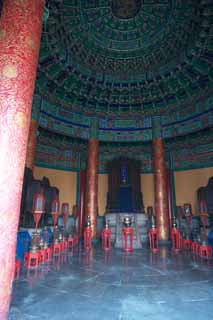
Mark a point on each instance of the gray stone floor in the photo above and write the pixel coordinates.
(116, 286)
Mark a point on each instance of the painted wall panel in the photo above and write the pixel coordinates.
(65, 181)
(102, 192)
(147, 189)
(186, 184)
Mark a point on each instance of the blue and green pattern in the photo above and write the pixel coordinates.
(99, 61)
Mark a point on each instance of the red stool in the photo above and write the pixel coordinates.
(75, 240)
(197, 248)
(41, 253)
(47, 254)
(62, 246)
(205, 251)
(26, 255)
(63, 258)
(32, 259)
(176, 239)
(56, 249)
(153, 240)
(70, 242)
(127, 239)
(186, 244)
(106, 239)
(65, 244)
(17, 269)
(194, 246)
(87, 238)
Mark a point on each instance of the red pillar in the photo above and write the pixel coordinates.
(91, 203)
(169, 198)
(161, 208)
(20, 32)
(31, 146)
(82, 203)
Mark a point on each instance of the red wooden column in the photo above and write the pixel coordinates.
(20, 33)
(31, 145)
(160, 182)
(91, 202)
(169, 198)
(82, 203)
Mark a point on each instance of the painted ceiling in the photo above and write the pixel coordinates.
(122, 62)
(186, 152)
(126, 58)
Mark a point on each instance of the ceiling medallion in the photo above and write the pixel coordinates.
(125, 9)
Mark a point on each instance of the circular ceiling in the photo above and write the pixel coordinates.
(123, 62)
(126, 58)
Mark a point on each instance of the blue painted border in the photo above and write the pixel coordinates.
(127, 128)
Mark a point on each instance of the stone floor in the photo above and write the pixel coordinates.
(117, 286)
